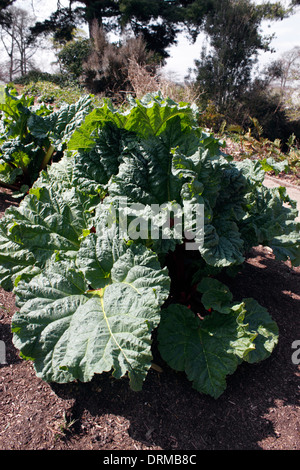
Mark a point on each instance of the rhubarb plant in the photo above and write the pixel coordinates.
(103, 251)
(30, 136)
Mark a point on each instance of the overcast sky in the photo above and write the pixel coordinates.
(287, 34)
(183, 55)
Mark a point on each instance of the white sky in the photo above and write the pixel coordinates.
(183, 55)
(287, 36)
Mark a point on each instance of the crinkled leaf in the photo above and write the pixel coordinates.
(150, 115)
(15, 260)
(15, 110)
(215, 296)
(48, 223)
(68, 119)
(72, 330)
(252, 170)
(260, 321)
(270, 164)
(106, 258)
(60, 125)
(145, 176)
(40, 126)
(96, 258)
(146, 117)
(209, 350)
(94, 168)
(8, 174)
(287, 246)
(14, 151)
(270, 221)
(84, 138)
(223, 244)
(91, 170)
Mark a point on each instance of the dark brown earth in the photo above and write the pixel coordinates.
(259, 409)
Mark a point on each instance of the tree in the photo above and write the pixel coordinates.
(106, 69)
(156, 21)
(5, 19)
(15, 39)
(5, 15)
(233, 29)
(72, 56)
(285, 81)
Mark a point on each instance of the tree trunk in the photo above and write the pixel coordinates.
(11, 56)
(93, 23)
(94, 27)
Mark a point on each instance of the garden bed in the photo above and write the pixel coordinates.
(259, 409)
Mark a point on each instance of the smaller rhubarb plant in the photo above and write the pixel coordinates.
(31, 136)
(103, 255)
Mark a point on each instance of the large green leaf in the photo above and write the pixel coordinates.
(287, 246)
(8, 174)
(270, 221)
(72, 329)
(150, 115)
(222, 188)
(146, 117)
(145, 176)
(15, 110)
(60, 125)
(259, 319)
(206, 350)
(84, 138)
(16, 260)
(215, 296)
(48, 223)
(106, 258)
(209, 349)
(94, 168)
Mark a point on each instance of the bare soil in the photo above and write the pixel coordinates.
(260, 409)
